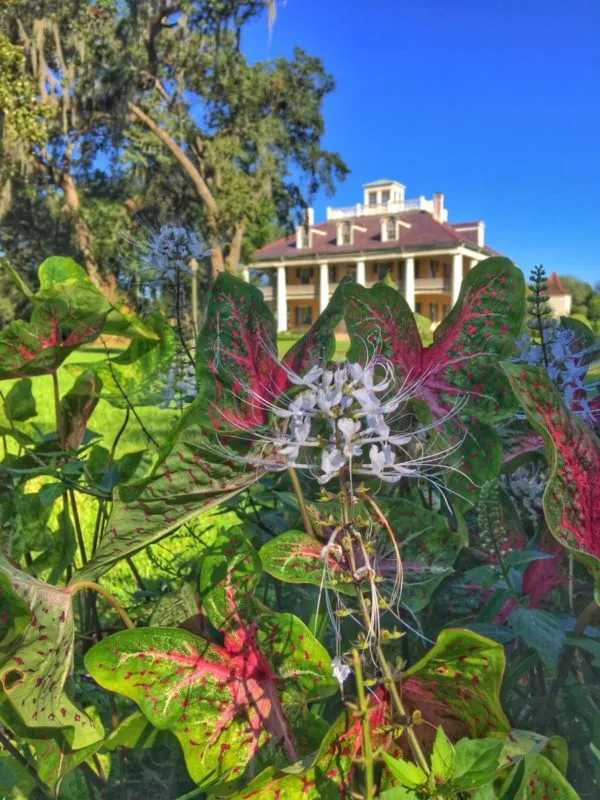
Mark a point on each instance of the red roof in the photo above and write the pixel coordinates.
(424, 232)
(555, 285)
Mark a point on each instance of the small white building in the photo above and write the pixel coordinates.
(560, 301)
(410, 240)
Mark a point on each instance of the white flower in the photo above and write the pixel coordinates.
(331, 463)
(340, 670)
(172, 248)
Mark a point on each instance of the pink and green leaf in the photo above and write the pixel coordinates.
(237, 363)
(541, 780)
(462, 361)
(35, 665)
(572, 496)
(77, 406)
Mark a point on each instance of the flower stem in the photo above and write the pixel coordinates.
(75, 587)
(366, 726)
(301, 501)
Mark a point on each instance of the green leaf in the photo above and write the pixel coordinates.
(398, 793)
(176, 607)
(540, 780)
(517, 559)
(476, 762)
(409, 774)
(295, 557)
(133, 732)
(457, 684)
(541, 630)
(442, 758)
(20, 402)
(572, 496)
(138, 372)
(35, 665)
(192, 478)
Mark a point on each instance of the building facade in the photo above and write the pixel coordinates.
(410, 241)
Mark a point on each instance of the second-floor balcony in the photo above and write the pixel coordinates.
(360, 209)
(433, 285)
(294, 291)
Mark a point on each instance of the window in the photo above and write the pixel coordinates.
(383, 270)
(418, 307)
(305, 237)
(372, 198)
(333, 274)
(385, 197)
(390, 229)
(433, 312)
(351, 271)
(433, 268)
(345, 237)
(304, 316)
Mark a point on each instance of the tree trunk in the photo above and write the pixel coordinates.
(83, 239)
(235, 252)
(210, 204)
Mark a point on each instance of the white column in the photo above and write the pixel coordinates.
(409, 282)
(457, 267)
(246, 274)
(472, 263)
(323, 287)
(281, 300)
(360, 273)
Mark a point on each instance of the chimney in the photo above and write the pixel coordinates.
(481, 234)
(438, 206)
(309, 217)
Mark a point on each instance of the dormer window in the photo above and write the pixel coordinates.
(305, 237)
(390, 229)
(344, 233)
(385, 197)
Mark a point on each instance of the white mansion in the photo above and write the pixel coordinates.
(411, 240)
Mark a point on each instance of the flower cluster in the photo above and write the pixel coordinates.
(180, 385)
(526, 485)
(172, 248)
(346, 419)
(567, 366)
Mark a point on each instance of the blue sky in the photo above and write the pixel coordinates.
(496, 104)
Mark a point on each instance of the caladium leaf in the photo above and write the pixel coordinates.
(296, 557)
(224, 704)
(462, 361)
(457, 685)
(19, 404)
(540, 780)
(237, 362)
(572, 497)
(192, 478)
(138, 372)
(35, 665)
(428, 549)
(459, 677)
(133, 732)
(54, 757)
(76, 407)
(318, 343)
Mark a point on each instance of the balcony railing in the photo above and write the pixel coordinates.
(432, 285)
(359, 209)
(295, 291)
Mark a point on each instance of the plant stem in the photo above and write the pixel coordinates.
(301, 502)
(58, 420)
(178, 312)
(75, 587)
(195, 306)
(389, 681)
(9, 747)
(366, 726)
(78, 531)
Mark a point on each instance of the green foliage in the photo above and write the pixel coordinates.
(306, 644)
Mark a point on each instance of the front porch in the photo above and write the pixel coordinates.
(430, 284)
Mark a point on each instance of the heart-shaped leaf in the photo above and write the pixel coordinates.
(224, 704)
(462, 361)
(35, 665)
(192, 478)
(540, 780)
(136, 376)
(76, 407)
(572, 496)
